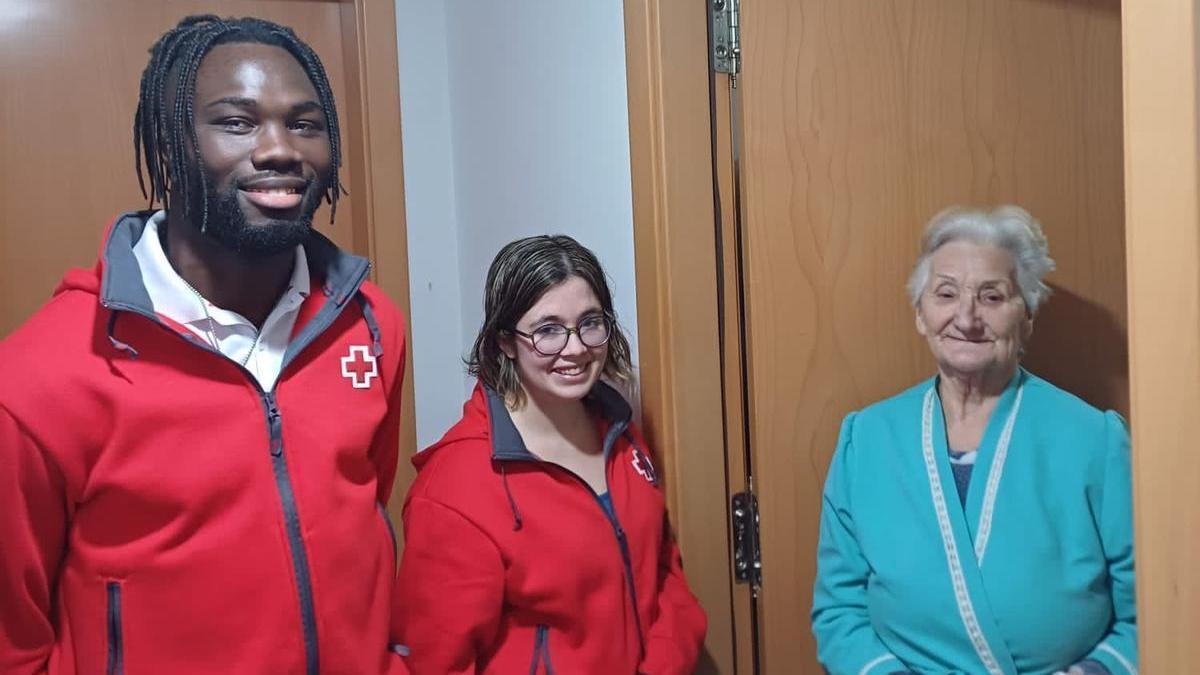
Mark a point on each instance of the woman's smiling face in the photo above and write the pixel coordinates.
(573, 372)
(971, 310)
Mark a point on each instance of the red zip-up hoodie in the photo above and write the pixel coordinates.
(513, 565)
(161, 513)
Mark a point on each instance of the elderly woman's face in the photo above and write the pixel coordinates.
(971, 311)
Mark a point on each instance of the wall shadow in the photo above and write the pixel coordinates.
(1082, 348)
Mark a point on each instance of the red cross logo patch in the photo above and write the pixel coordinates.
(641, 464)
(359, 367)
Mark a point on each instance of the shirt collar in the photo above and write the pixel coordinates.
(173, 298)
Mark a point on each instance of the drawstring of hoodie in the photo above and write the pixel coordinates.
(512, 503)
(117, 344)
(372, 326)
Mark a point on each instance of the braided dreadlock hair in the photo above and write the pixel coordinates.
(160, 129)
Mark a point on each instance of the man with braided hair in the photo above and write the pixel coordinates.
(199, 435)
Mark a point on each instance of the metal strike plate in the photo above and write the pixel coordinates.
(747, 556)
(726, 47)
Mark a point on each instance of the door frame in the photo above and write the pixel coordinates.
(1162, 234)
(679, 347)
(677, 256)
(372, 112)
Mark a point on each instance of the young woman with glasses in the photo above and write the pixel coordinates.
(535, 535)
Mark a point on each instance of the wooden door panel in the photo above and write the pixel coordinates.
(70, 70)
(862, 119)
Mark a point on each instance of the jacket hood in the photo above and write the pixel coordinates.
(486, 418)
(117, 278)
(120, 278)
(86, 279)
(82, 279)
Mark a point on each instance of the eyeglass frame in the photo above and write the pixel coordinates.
(608, 323)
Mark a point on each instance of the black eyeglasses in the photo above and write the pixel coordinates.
(550, 339)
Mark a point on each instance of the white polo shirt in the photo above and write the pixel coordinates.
(235, 336)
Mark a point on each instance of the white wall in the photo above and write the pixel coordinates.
(436, 321)
(515, 123)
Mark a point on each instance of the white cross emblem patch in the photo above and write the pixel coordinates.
(359, 367)
(641, 464)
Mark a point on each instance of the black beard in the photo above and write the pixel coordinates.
(227, 224)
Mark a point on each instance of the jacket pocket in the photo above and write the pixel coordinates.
(116, 646)
(541, 650)
(391, 533)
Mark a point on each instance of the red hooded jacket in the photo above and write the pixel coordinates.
(160, 513)
(513, 565)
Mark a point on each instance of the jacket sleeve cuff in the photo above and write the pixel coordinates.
(1117, 662)
(884, 664)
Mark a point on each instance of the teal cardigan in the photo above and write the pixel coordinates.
(1033, 574)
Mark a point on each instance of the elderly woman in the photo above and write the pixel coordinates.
(979, 522)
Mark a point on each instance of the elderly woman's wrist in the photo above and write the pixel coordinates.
(1089, 667)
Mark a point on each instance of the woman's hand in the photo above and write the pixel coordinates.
(1085, 667)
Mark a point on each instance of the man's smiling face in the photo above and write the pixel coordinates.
(264, 147)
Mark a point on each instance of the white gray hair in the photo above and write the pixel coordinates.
(1007, 227)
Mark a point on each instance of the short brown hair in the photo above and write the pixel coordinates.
(519, 275)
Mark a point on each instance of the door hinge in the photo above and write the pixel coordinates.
(747, 556)
(726, 36)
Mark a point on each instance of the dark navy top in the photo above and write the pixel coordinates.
(961, 463)
(606, 502)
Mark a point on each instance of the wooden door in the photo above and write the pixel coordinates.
(70, 71)
(860, 120)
